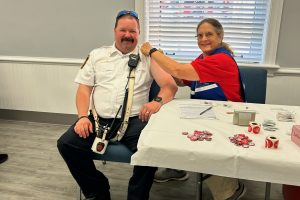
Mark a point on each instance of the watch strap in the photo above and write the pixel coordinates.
(152, 51)
(158, 99)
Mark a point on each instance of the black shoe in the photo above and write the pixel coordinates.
(96, 197)
(3, 158)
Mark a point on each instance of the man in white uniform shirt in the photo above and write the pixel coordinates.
(106, 70)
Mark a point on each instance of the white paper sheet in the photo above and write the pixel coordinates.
(191, 111)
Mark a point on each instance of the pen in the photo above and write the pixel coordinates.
(207, 109)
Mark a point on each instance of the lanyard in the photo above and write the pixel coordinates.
(125, 114)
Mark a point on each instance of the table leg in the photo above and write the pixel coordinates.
(80, 194)
(268, 191)
(199, 186)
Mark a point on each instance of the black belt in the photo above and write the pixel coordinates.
(108, 122)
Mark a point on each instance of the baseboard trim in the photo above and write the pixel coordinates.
(42, 117)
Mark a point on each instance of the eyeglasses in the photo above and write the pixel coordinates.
(127, 12)
(208, 35)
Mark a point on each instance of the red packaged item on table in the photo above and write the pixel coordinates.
(295, 136)
(271, 142)
(254, 127)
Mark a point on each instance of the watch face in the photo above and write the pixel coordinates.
(158, 99)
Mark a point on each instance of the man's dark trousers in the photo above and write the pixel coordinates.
(77, 153)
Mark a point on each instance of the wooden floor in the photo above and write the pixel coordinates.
(35, 170)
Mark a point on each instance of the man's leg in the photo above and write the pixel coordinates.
(142, 179)
(141, 182)
(77, 153)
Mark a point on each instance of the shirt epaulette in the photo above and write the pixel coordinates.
(85, 61)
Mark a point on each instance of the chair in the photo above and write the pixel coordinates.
(116, 151)
(254, 81)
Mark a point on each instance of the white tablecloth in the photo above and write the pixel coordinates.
(162, 144)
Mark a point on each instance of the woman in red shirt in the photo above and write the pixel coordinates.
(213, 75)
(215, 65)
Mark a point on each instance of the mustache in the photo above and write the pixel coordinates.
(127, 39)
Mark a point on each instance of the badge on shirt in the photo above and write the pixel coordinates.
(85, 61)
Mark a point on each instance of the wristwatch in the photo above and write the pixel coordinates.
(152, 51)
(158, 99)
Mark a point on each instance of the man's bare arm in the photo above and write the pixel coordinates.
(83, 126)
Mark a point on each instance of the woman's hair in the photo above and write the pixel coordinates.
(219, 29)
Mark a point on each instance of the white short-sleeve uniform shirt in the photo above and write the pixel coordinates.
(107, 70)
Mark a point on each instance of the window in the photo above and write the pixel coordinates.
(248, 24)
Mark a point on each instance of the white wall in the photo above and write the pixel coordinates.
(283, 89)
(50, 87)
(57, 28)
(38, 87)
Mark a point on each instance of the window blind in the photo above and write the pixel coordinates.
(171, 26)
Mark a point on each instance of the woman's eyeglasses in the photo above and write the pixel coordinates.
(208, 35)
(128, 12)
